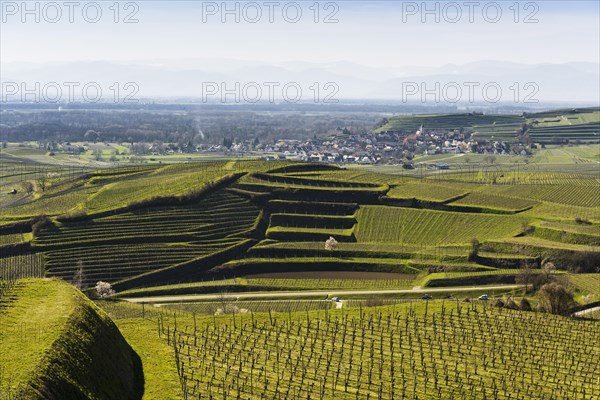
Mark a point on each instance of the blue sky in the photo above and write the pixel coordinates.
(369, 33)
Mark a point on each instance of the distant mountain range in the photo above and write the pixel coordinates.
(577, 82)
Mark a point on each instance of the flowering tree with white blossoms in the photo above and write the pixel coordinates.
(104, 289)
(331, 244)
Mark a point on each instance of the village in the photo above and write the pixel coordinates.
(372, 148)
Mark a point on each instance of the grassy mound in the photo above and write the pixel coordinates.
(56, 344)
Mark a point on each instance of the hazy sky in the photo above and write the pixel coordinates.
(388, 33)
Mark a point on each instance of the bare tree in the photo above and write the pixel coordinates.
(79, 277)
(555, 298)
(549, 269)
(475, 245)
(524, 277)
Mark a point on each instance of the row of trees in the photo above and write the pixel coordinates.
(179, 125)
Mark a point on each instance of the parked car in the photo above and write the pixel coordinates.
(483, 297)
(426, 297)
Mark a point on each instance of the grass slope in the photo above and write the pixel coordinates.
(55, 343)
(160, 370)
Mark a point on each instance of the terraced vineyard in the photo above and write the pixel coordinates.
(565, 134)
(55, 203)
(450, 122)
(588, 283)
(27, 265)
(507, 132)
(584, 195)
(16, 267)
(308, 283)
(429, 191)
(170, 180)
(215, 220)
(400, 225)
(579, 228)
(495, 202)
(126, 245)
(11, 238)
(499, 175)
(554, 127)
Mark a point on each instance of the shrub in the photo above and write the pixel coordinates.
(510, 304)
(38, 223)
(73, 215)
(498, 303)
(525, 305)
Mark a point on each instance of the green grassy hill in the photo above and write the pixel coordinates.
(55, 343)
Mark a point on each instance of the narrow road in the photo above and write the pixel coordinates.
(280, 295)
(583, 312)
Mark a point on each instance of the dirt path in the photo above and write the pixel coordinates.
(322, 294)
